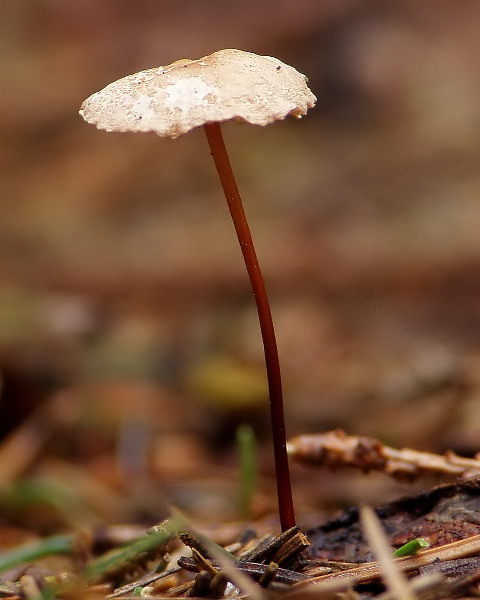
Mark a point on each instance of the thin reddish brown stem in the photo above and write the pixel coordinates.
(224, 169)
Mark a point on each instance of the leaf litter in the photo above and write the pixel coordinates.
(348, 555)
(340, 556)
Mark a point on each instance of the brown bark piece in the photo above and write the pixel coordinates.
(443, 514)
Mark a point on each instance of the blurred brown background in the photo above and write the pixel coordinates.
(120, 280)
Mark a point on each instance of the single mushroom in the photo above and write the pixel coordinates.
(171, 100)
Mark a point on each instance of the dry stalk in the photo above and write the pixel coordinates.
(392, 576)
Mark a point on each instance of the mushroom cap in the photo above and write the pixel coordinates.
(228, 84)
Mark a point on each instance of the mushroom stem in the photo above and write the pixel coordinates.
(224, 169)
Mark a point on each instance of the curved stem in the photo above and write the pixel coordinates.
(224, 169)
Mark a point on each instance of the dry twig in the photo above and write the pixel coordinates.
(336, 449)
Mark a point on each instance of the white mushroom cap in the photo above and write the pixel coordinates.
(228, 84)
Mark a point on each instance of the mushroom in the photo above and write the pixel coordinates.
(171, 100)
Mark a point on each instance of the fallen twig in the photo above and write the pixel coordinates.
(336, 449)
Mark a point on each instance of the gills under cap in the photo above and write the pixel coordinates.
(228, 84)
